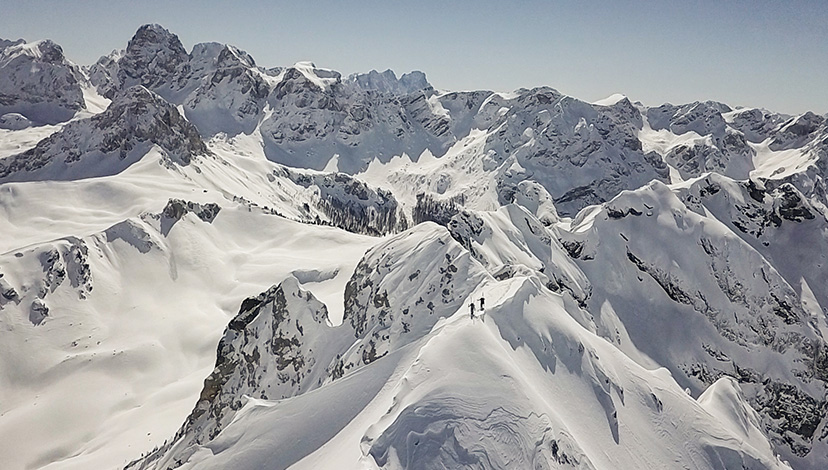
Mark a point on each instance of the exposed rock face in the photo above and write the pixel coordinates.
(351, 204)
(220, 87)
(281, 343)
(703, 118)
(756, 124)
(797, 131)
(103, 74)
(38, 82)
(14, 122)
(402, 287)
(110, 141)
(277, 346)
(267, 351)
(438, 210)
(547, 135)
(231, 99)
(720, 146)
(62, 263)
(387, 82)
(728, 154)
(316, 116)
(177, 208)
(154, 59)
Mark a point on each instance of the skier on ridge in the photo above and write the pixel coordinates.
(471, 309)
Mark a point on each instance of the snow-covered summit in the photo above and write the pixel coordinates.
(153, 58)
(108, 142)
(37, 81)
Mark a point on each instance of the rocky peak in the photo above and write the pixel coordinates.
(228, 91)
(756, 124)
(38, 82)
(233, 56)
(4, 43)
(305, 80)
(142, 115)
(704, 118)
(136, 120)
(277, 346)
(206, 57)
(153, 58)
(387, 82)
(104, 72)
(797, 131)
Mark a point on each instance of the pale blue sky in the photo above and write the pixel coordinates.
(772, 54)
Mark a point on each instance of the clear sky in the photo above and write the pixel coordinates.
(772, 54)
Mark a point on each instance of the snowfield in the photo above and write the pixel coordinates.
(208, 264)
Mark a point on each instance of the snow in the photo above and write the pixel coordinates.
(322, 78)
(447, 393)
(610, 100)
(780, 164)
(151, 339)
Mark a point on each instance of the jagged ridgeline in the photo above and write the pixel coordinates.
(248, 267)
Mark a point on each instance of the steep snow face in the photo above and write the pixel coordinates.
(660, 269)
(535, 349)
(779, 222)
(511, 241)
(38, 82)
(109, 142)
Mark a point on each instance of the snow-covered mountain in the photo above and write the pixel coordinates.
(38, 82)
(205, 263)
